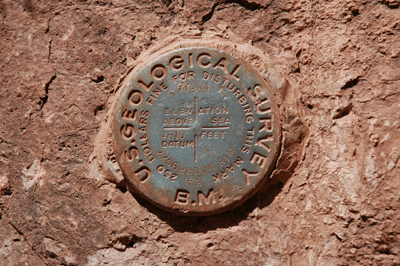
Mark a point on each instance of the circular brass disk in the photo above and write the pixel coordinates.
(196, 131)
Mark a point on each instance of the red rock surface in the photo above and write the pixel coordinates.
(59, 65)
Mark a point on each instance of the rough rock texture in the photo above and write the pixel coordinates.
(60, 62)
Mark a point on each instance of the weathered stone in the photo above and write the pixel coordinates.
(333, 202)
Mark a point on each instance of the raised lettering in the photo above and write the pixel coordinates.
(144, 85)
(135, 97)
(262, 142)
(221, 64)
(128, 114)
(143, 173)
(216, 178)
(132, 153)
(267, 124)
(158, 72)
(201, 63)
(207, 199)
(182, 197)
(248, 175)
(176, 62)
(234, 72)
(128, 131)
(258, 158)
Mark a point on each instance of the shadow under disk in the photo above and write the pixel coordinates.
(196, 224)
